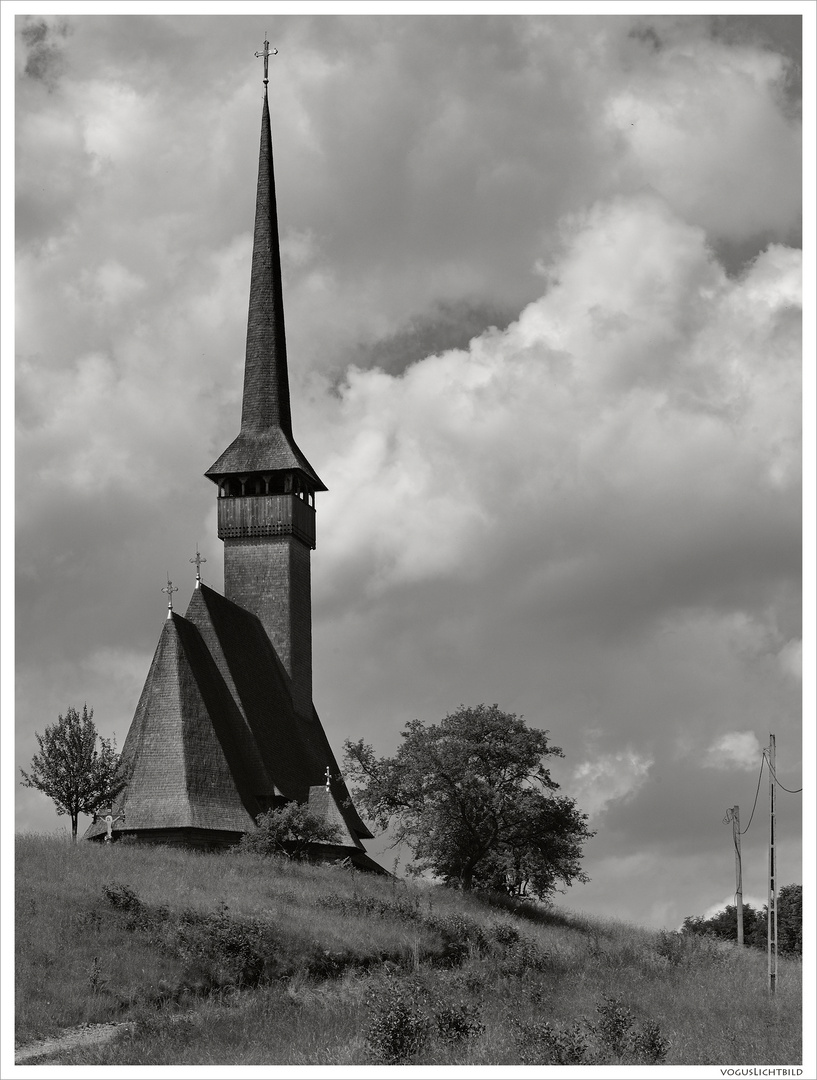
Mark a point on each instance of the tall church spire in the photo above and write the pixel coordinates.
(266, 379)
(265, 443)
(266, 486)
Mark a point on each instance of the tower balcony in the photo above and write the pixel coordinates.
(246, 516)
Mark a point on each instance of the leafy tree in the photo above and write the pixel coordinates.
(790, 919)
(474, 800)
(69, 769)
(289, 830)
(723, 924)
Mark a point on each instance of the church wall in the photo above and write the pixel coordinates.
(271, 577)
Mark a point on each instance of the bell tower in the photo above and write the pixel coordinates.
(266, 487)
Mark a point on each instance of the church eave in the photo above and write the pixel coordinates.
(263, 452)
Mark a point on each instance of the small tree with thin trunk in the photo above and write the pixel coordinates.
(78, 778)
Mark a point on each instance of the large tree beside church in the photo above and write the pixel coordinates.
(473, 798)
(71, 771)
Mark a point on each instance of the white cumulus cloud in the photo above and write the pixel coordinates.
(735, 749)
(609, 778)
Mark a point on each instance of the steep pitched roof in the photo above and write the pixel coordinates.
(323, 804)
(183, 756)
(215, 738)
(294, 750)
(265, 442)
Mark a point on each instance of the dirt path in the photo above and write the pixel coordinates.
(87, 1035)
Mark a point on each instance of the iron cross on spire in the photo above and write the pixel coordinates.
(199, 559)
(170, 588)
(267, 53)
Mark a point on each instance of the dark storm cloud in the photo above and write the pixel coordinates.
(777, 33)
(44, 56)
(445, 326)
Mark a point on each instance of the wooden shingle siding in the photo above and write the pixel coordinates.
(271, 576)
(266, 515)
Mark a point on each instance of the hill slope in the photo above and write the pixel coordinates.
(231, 959)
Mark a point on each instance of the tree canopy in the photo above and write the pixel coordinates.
(78, 778)
(474, 800)
(723, 924)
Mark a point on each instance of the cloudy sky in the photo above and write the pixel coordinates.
(542, 279)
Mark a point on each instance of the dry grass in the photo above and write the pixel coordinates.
(342, 947)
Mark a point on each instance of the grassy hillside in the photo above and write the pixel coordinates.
(230, 959)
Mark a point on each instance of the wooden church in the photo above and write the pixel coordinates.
(225, 728)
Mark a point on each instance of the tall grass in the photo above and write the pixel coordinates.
(232, 959)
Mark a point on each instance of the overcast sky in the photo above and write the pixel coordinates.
(542, 279)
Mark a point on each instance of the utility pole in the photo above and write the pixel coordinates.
(733, 815)
(771, 909)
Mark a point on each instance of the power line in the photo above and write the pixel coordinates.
(759, 775)
(796, 791)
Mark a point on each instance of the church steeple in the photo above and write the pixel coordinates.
(225, 728)
(266, 379)
(266, 486)
(265, 443)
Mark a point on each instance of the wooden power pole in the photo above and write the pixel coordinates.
(735, 814)
(771, 909)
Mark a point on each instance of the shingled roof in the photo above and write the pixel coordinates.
(215, 739)
(182, 755)
(294, 749)
(265, 442)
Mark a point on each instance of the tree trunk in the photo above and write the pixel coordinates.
(74, 819)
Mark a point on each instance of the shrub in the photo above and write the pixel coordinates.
(541, 1044)
(142, 917)
(457, 1022)
(399, 1025)
(121, 896)
(504, 933)
(614, 1035)
(649, 1045)
(614, 1025)
(522, 957)
(672, 946)
(329, 964)
(290, 831)
(690, 948)
(460, 935)
(567, 1046)
(237, 948)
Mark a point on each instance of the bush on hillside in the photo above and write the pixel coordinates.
(237, 950)
(289, 831)
(121, 896)
(614, 1037)
(404, 1016)
(689, 949)
(399, 1024)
